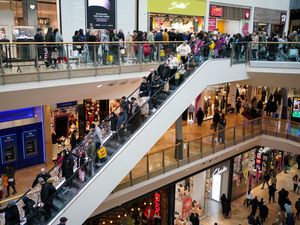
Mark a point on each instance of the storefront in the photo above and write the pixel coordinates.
(183, 16)
(193, 193)
(152, 208)
(229, 20)
(213, 98)
(269, 20)
(248, 168)
(12, 16)
(22, 137)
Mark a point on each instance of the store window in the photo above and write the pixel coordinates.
(249, 167)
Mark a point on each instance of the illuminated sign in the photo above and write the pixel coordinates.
(157, 204)
(247, 14)
(179, 5)
(283, 18)
(219, 171)
(216, 11)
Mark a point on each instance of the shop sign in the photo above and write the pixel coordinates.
(220, 171)
(212, 24)
(216, 11)
(283, 18)
(157, 204)
(247, 14)
(264, 150)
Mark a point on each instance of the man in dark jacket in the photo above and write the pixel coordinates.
(47, 191)
(297, 206)
(254, 205)
(12, 215)
(38, 37)
(263, 213)
(156, 87)
(272, 191)
(216, 120)
(28, 209)
(121, 125)
(50, 37)
(144, 88)
(63, 221)
(200, 116)
(282, 196)
(67, 166)
(73, 139)
(42, 174)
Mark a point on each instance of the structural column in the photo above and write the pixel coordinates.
(30, 12)
(284, 112)
(179, 139)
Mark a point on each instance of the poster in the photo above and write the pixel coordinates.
(186, 206)
(101, 14)
(23, 32)
(296, 108)
(30, 143)
(244, 27)
(8, 145)
(3, 32)
(212, 24)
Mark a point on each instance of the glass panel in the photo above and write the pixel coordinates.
(229, 136)
(195, 147)
(170, 157)
(140, 169)
(207, 146)
(239, 133)
(248, 129)
(155, 161)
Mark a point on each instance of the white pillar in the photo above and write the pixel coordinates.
(206, 16)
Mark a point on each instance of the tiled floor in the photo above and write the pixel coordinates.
(239, 212)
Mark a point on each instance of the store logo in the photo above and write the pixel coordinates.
(219, 171)
(216, 11)
(157, 204)
(179, 5)
(247, 14)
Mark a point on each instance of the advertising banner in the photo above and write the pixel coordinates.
(212, 24)
(296, 109)
(101, 14)
(183, 7)
(8, 145)
(30, 142)
(186, 206)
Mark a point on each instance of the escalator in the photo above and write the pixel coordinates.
(76, 200)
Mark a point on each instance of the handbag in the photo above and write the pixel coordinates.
(122, 51)
(102, 153)
(162, 53)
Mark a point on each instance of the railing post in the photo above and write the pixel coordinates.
(287, 129)
(201, 148)
(234, 136)
(260, 125)
(130, 177)
(158, 52)
(148, 169)
(68, 61)
(266, 125)
(119, 64)
(188, 151)
(37, 61)
(140, 53)
(2, 68)
(252, 130)
(213, 142)
(163, 161)
(244, 131)
(95, 57)
(277, 125)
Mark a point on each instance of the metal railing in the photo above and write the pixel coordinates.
(162, 161)
(245, 52)
(40, 61)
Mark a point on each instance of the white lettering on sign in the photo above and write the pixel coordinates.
(219, 171)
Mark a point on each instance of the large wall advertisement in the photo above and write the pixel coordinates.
(183, 7)
(101, 14)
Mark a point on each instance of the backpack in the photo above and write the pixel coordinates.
(159, 37)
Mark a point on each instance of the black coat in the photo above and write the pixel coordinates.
(272, 190)
(47, 191)
(12, 215)
(263, 211)
(67, 166)
(44, 176)
(145, 90)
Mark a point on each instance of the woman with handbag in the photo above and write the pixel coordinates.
(10, 173)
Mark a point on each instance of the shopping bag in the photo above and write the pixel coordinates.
(293, 53)
(110, 58)
(122, 51)
(102, 153)
(177, 75)
(166, 86)
(178, 57)
(162, 53)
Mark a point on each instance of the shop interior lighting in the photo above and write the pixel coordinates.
(132, 209)
(111, 221)
(139, 209)
(125, 215)
(119, 216)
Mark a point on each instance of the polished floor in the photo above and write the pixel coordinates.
(240, 212)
